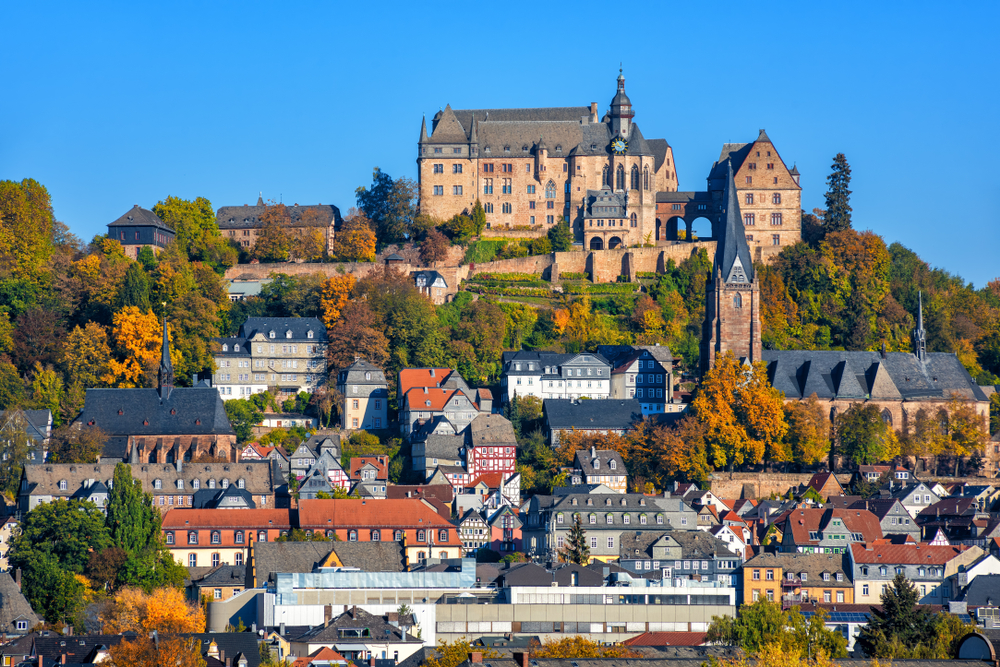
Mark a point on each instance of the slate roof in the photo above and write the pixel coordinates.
(607, 198)
(355, 617)
(387, 556)
(862, 375)
(639, 543)
(299, 326)
(141, 217)
(732, 242)
(986, 591)
(355, 374)
(14, 607)
(443, 446)
(428, 278)
(543, 359)
(272, 557)
(614, 414)
(813, 565)
(491, 430)
(144, 412)
(616, 353)
(38, 423)
(241, 217)
(223, 575)
(585, 461)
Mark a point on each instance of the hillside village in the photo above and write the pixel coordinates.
(538, 396)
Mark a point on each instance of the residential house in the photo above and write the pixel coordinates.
(644, 373)
(219, 583)
(359, 637)
(370, 468)
(589, 417)
(436, 443)
(873, 473)
(365, 395)
(425, 393)
(444, 493)
(140, 228)
(825, 530)
(794, 578)
(276, 454)
(487, 492)
(892, 516)
(213, 537)
(985, 593)
(987, 566)
(550, 375)
(376, 490)
(928, 567)
(474, 531)
(16, 615)
(426, 533)
(491, 446)
(737, 537)
(321, 657)
(432, 284)
(915, 496)
(35, 424)
(985, 495)
(825, 484)
(486, 445)
(302, 460)
(505, 530)
(605, 516)
(959, 518)
(286, 354)
(604, 466)
(679, 554)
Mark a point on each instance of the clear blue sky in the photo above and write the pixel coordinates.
(111, 104)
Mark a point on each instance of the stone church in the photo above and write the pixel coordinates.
(530, 167)
(899, 383)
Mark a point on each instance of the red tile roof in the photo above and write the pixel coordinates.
(668, 639)
(422, 377)
(379, 461)
(351, 513)
(443, 492)
(803, 521)
(882, 551)
(493, 480)
(324, 654)
(216, 518)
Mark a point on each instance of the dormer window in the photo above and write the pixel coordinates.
(309, 334)
(225, 483)
(270, 334)
(612, 464)
(288, 334)
(195, 484)
(597, 464)
(63, 485)
(236, 347)
(157, 484)
(180, 484)
(225, 348)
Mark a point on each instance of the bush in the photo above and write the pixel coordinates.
(505, 277)
(601, 288)
(484, 250)
(646, 274)
(569, 275)
(500, 283)
(509, 291)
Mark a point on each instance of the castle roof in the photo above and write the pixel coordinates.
(141, 217)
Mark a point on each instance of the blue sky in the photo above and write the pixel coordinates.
(111, 104)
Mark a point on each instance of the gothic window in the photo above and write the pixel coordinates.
(507, 207)
(488, 207)
(776, 198)
(634, 178)
(620, 178)
(738, 301)
(887, 416)
(550, 190)
(606, 176)
(748, 198)
(645, 178)
(635, 220)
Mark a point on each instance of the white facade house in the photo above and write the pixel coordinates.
(547, 375)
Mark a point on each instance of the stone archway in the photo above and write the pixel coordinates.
(659, 225)
(614, 242)
(597, 243)
(673, 224)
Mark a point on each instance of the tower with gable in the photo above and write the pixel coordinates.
(732, 295)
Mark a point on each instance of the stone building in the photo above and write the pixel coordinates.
(140, 228)
(531, 167)
(287, 354)
(366, 396)
(243, 224)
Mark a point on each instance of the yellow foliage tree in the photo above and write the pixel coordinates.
(355, 242)
(742, 413)
(87, 356)
(579, 646)
(452, 654)
(336, 291)
(164, 610)
(808, 430)
(137, 339)
(144, 652)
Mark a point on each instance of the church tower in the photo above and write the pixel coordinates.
(732, 295)
(166, 374)
(621, 110)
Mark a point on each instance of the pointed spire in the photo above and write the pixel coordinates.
(423, 129)
(166, 375)
(473, 132)
(732, 254)
(260, 198)
(919, 335)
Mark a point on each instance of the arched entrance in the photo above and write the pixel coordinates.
(673, 224)
(700, 229)
(597, 243)
(614, 242)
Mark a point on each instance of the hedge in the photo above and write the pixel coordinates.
(509, 291)
(646, 274)
(603, 288)
(500, 283)
(507, 277)
(569, 275)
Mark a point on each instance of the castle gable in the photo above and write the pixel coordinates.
(447, 129)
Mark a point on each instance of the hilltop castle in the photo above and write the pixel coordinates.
(530, 167)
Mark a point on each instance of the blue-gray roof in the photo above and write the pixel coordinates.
(612, 413)
(299, 326)
(142, 412)
(140, 217)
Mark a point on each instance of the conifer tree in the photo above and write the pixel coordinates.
(478, 217)
(900, 621)
(838, 196)
(576, 549)
(134, 290)
(133, 522)
(561, 237)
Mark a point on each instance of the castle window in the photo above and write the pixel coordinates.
(488, 208)
(565, 168)
(749, 219)
(157, 484)
(456, 169)
(776, 197)
(645, 178)
(749, 238)
(438, 189)
(606, 176)
(775, 239)
(738, 301)
(566, 189)
(635, 221)
(438, 168)
(456, 189)
(550, 190)
(749, 180)
(634, 178)
(887, 416)
(524, 148)
(506, 149)
(748, 198)
(507, 207)
(488, 185)
(620, 178)
(775, 218)
(531, 189)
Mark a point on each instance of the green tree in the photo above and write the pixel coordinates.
(47, 391)
(134, 290)
(560, 236)
(864, 437)
(147, 258)
(11, 386)
(26, 226)
(72, 444)
(390, 205)
(478, 216)
(576, 549)
(900, 621)
(763, 624)
(838, 196)
(197, 232)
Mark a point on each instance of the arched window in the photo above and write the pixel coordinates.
(225, 348)
(239, 537)
(236, 348)
(620, 178)
(216, 537)
(612, 464)
(606, 176)
(488, 207)
(330, 534)
(645, 178)
(376, 536)
(421, 555)
(225, 482)
(634, 220)
(443, 536)
(192, 560)
(634, 178)
(170, 537)
(352, 536)
(887, 416)
(550, 190)
(196, 484)
(262, 536)
(737, 301)
(398, 536)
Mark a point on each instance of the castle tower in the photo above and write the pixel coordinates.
(732, 295)
(621, 110)
(166, 374)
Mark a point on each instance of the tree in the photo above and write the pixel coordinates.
(863, 436)
(77, 444)
(273, 243)
(390, 205)
(164, 610)
(808, 430)
(579, 646)
(196, 232)
(899, 623)
(137, 337)
(11, 386)
(838, 196)
(763, 626)
(576, 549)
(308, 244)
(478, 217)
(87, 356)
(358, 332)
(47, 391)
(145, 651)
(134, 290)
(37, 339)
(459, 228)
(561, 236)
(26, 227)
(336, 292)
(742, 413)
(15, 450)
(355, 242)
(434, 247)
(452, 654)
(243, 415)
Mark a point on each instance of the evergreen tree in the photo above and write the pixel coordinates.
(838, 196)
(133, 523)
(561, 237)
(576, 549)
(900, 622)
(134, 290)
(147, 258)
(478, 217)
(514, 416)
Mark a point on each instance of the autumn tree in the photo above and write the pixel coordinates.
(390, 204)
(838, 196)
(87, 356)
(137, 337)
(36, 338)
(77, 444)
(578, 646)
(454, 653)
(308, 244)
(576, 549)
(273, 243)
(15, 450)
(808, 430)
(863, 436)
(336, 292)
(26, 226)
(355, 242)
(145, 651)
(47, 391)
(165, 610)
(359, 331)
(434, 247)
(742, 413)
(680, 452)
(196, 232)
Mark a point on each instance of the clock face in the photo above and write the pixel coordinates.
(619, 146)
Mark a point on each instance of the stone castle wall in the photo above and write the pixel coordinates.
(761, 484)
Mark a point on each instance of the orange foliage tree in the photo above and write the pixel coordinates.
(334, 295)
(145, 652)
(137, 339)
(355, 242)
(164, 610)
(579, 646)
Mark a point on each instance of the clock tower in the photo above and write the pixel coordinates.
(621, 111)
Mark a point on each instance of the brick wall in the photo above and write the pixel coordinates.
(761, 484)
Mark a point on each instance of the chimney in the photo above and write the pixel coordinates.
(69, 630)
(281, 629)
(62, 659)
(476, 658)
(17, 577)
(180, 464)
(593, 112)
(222, 657)
(521, 659)
(327, 614)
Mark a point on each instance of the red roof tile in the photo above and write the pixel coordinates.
(379, 461)
(882, 551)
(350, 513)
(803, 521)
(668, 639)
(216, 518)
(492, 480)
(422, 377)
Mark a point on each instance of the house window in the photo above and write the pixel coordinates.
(192, 560)
(63, 485)
(775, 239)
(864, 589)
(170, 537)
(376, 536)
(215, 560)
(749, 219)
(192, 537)
(352, 536)
(438, 189)
(398, 536)
(776, 198)
(216, 537)
(239, 537)
(443, 536)
(748, 198)
(420, 536)
(262, 536)
(775, 218)
(456, 168)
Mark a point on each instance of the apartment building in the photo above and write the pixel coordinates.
(931, 569)
(547, 375)
(795, 578)
(365, 392)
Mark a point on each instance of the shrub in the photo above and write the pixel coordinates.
(506, 277)
(646, 274)
(509, 291)
(601, 288)
(569, 275)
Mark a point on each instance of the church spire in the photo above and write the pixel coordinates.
(919, 336)
(732, 253)
(621, 110)
(423, 129)
(166, 375)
